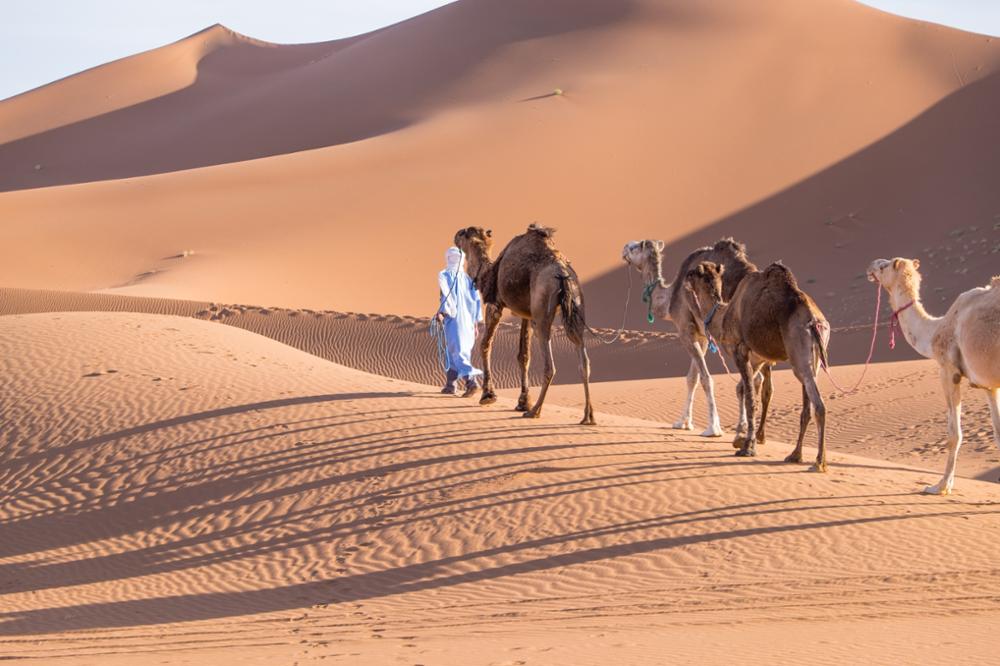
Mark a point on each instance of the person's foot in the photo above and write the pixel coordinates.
(471, 387)
(449, 385)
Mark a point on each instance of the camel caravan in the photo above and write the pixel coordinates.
(720, 302)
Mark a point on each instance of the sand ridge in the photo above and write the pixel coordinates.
(677, 122)
(240, 493)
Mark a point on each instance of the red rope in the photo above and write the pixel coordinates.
(871, 350)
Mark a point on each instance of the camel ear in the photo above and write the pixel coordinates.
(916, 263)
(719, 269)
(659, 245)
(896, 263)
(489, 233)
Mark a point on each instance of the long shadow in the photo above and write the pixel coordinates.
(420, 576)
(188, 495)
(201, 416)
(252, 101)
(917, 192)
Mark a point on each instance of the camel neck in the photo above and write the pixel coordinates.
(917, 325)
(658, 290)
(477, 265)
(714, 325)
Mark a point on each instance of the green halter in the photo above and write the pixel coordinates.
(647, 297)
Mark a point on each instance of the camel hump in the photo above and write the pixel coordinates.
(780, 271)
(730, 244)
(544, 232)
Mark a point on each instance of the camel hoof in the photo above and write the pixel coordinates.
(712, 431)
(683, 425)
(588, 420)
(488, 398)
(818, 467)
(531, 414)
(739, 441)
(937, 489)
(746, 453)
(794, 457)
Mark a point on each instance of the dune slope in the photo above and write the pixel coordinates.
(183, 491)
(674, 117)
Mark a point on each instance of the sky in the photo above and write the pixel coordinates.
(45, 40)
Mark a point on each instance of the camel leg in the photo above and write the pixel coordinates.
(953, 396)
(544, 331)
(493, 315)
(524, 358)
(819, 411)
(766, 390)
(742, 359)
(796, 455)
(686, 422)
(993, 397)
(588, 409)
(714, 429)
(741, 419)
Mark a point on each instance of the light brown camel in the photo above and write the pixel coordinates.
(665, 303)
(768, 319)
(532, 279)
(965, 342)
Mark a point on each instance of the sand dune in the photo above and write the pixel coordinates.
(221, 439)
(179, 490)
(674, 118)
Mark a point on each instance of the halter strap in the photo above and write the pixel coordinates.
(647, 297)
(894, 323)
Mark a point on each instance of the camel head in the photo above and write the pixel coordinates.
(890, 272)
(474, 241)
(704, 284)
(644, 254)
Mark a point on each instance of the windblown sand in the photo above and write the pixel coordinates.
(182, 491)
(221, 437)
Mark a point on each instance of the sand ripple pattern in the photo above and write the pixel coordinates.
(171, 486)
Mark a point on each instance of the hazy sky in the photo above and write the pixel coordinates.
(43, 40)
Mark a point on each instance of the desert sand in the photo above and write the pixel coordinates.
(221, 436)
(185, 491)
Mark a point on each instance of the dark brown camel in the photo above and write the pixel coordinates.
(532, 279)
(666, 303)
(768, 319)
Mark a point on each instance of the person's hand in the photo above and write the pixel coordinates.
(439, 316)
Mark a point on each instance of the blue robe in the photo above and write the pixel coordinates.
(462, 308)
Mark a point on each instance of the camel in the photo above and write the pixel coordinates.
(965, 342)
(532, 279)
(768, 319)
(666, 303)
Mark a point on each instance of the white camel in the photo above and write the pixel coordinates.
(965, 342)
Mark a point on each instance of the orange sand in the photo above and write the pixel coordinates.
(220, 442)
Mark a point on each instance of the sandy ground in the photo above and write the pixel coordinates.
(187, 492)
(221, 439)
(897, 414)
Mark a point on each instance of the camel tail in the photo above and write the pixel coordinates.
(820, 331)
(571, 302)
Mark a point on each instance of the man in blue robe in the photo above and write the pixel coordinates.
(460, 312)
